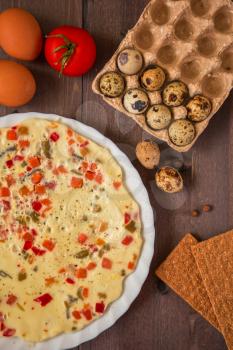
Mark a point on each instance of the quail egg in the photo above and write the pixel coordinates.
(199, 108)
(112, 84)
(169, 180)
(175, 93)
(135, 101)
(148, 154)
(181, 132)
(153, 78)
(158, 117)
(129, 61)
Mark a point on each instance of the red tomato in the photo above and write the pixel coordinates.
(70, 50)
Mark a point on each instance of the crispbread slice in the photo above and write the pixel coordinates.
(180, 272)
(214, 259)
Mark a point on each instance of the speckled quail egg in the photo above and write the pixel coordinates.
(181, 132)
(199, 108)
(148, 153)
(158, 117)
(175, 93)
(112, 84)
(153, 78)
(135, 101)
(169, 180)
(129, 61)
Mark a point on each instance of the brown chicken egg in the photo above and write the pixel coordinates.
(17, 84)
(20, 34)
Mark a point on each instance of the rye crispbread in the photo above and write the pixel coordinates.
(214, 258)
(179, 271)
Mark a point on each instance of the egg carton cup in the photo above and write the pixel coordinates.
(193, 42)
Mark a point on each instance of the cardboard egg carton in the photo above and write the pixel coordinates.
(192, 40)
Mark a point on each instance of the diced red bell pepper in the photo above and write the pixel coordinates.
(6, 205)
(99, 178)
(81, 273)
(11, 299)
(85, 292)
(44, 299)
(34, 161)
(76, 182)
(27, 245)
(10, 180)
(84, 144)
(87, 314)
(117, 184)
(54, 137)
(51, 185)
(38, 251)
(2, 326)
(28, 236)
(36, 205)
(76, 314)
(127, 218)
(70, 280)
(11, 135)
(131, 265)
(91, 266)
(99, 307)
(9, 163)
(106, 263)
(33, 231)
(127, 240)
(9, 332)
(82, 238)
(18, 157)
(4, 192)
(48, 244)
(89, 175)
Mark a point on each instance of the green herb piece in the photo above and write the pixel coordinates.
(131, 227)
(106, 246)
(79, 293)
(22, 276)
(22, 220)
(77, 156)
(5, 274)
(20, 307)
(82, 254)
(34, 216)
(102, 295)
(46, 149)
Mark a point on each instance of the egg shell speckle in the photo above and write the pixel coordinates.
(153, 78)
(175, 93)
(169, 180)
(112, 84)
(129, 61)
(135, 101)
(181, 132)
(199, 108)
(158, 117)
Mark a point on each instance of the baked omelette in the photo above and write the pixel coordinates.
(70, 232)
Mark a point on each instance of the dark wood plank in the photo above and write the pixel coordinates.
(158, 319)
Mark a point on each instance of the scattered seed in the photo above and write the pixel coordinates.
(206, 208)
(195, 213)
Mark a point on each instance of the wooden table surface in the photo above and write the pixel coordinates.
(158, 319)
